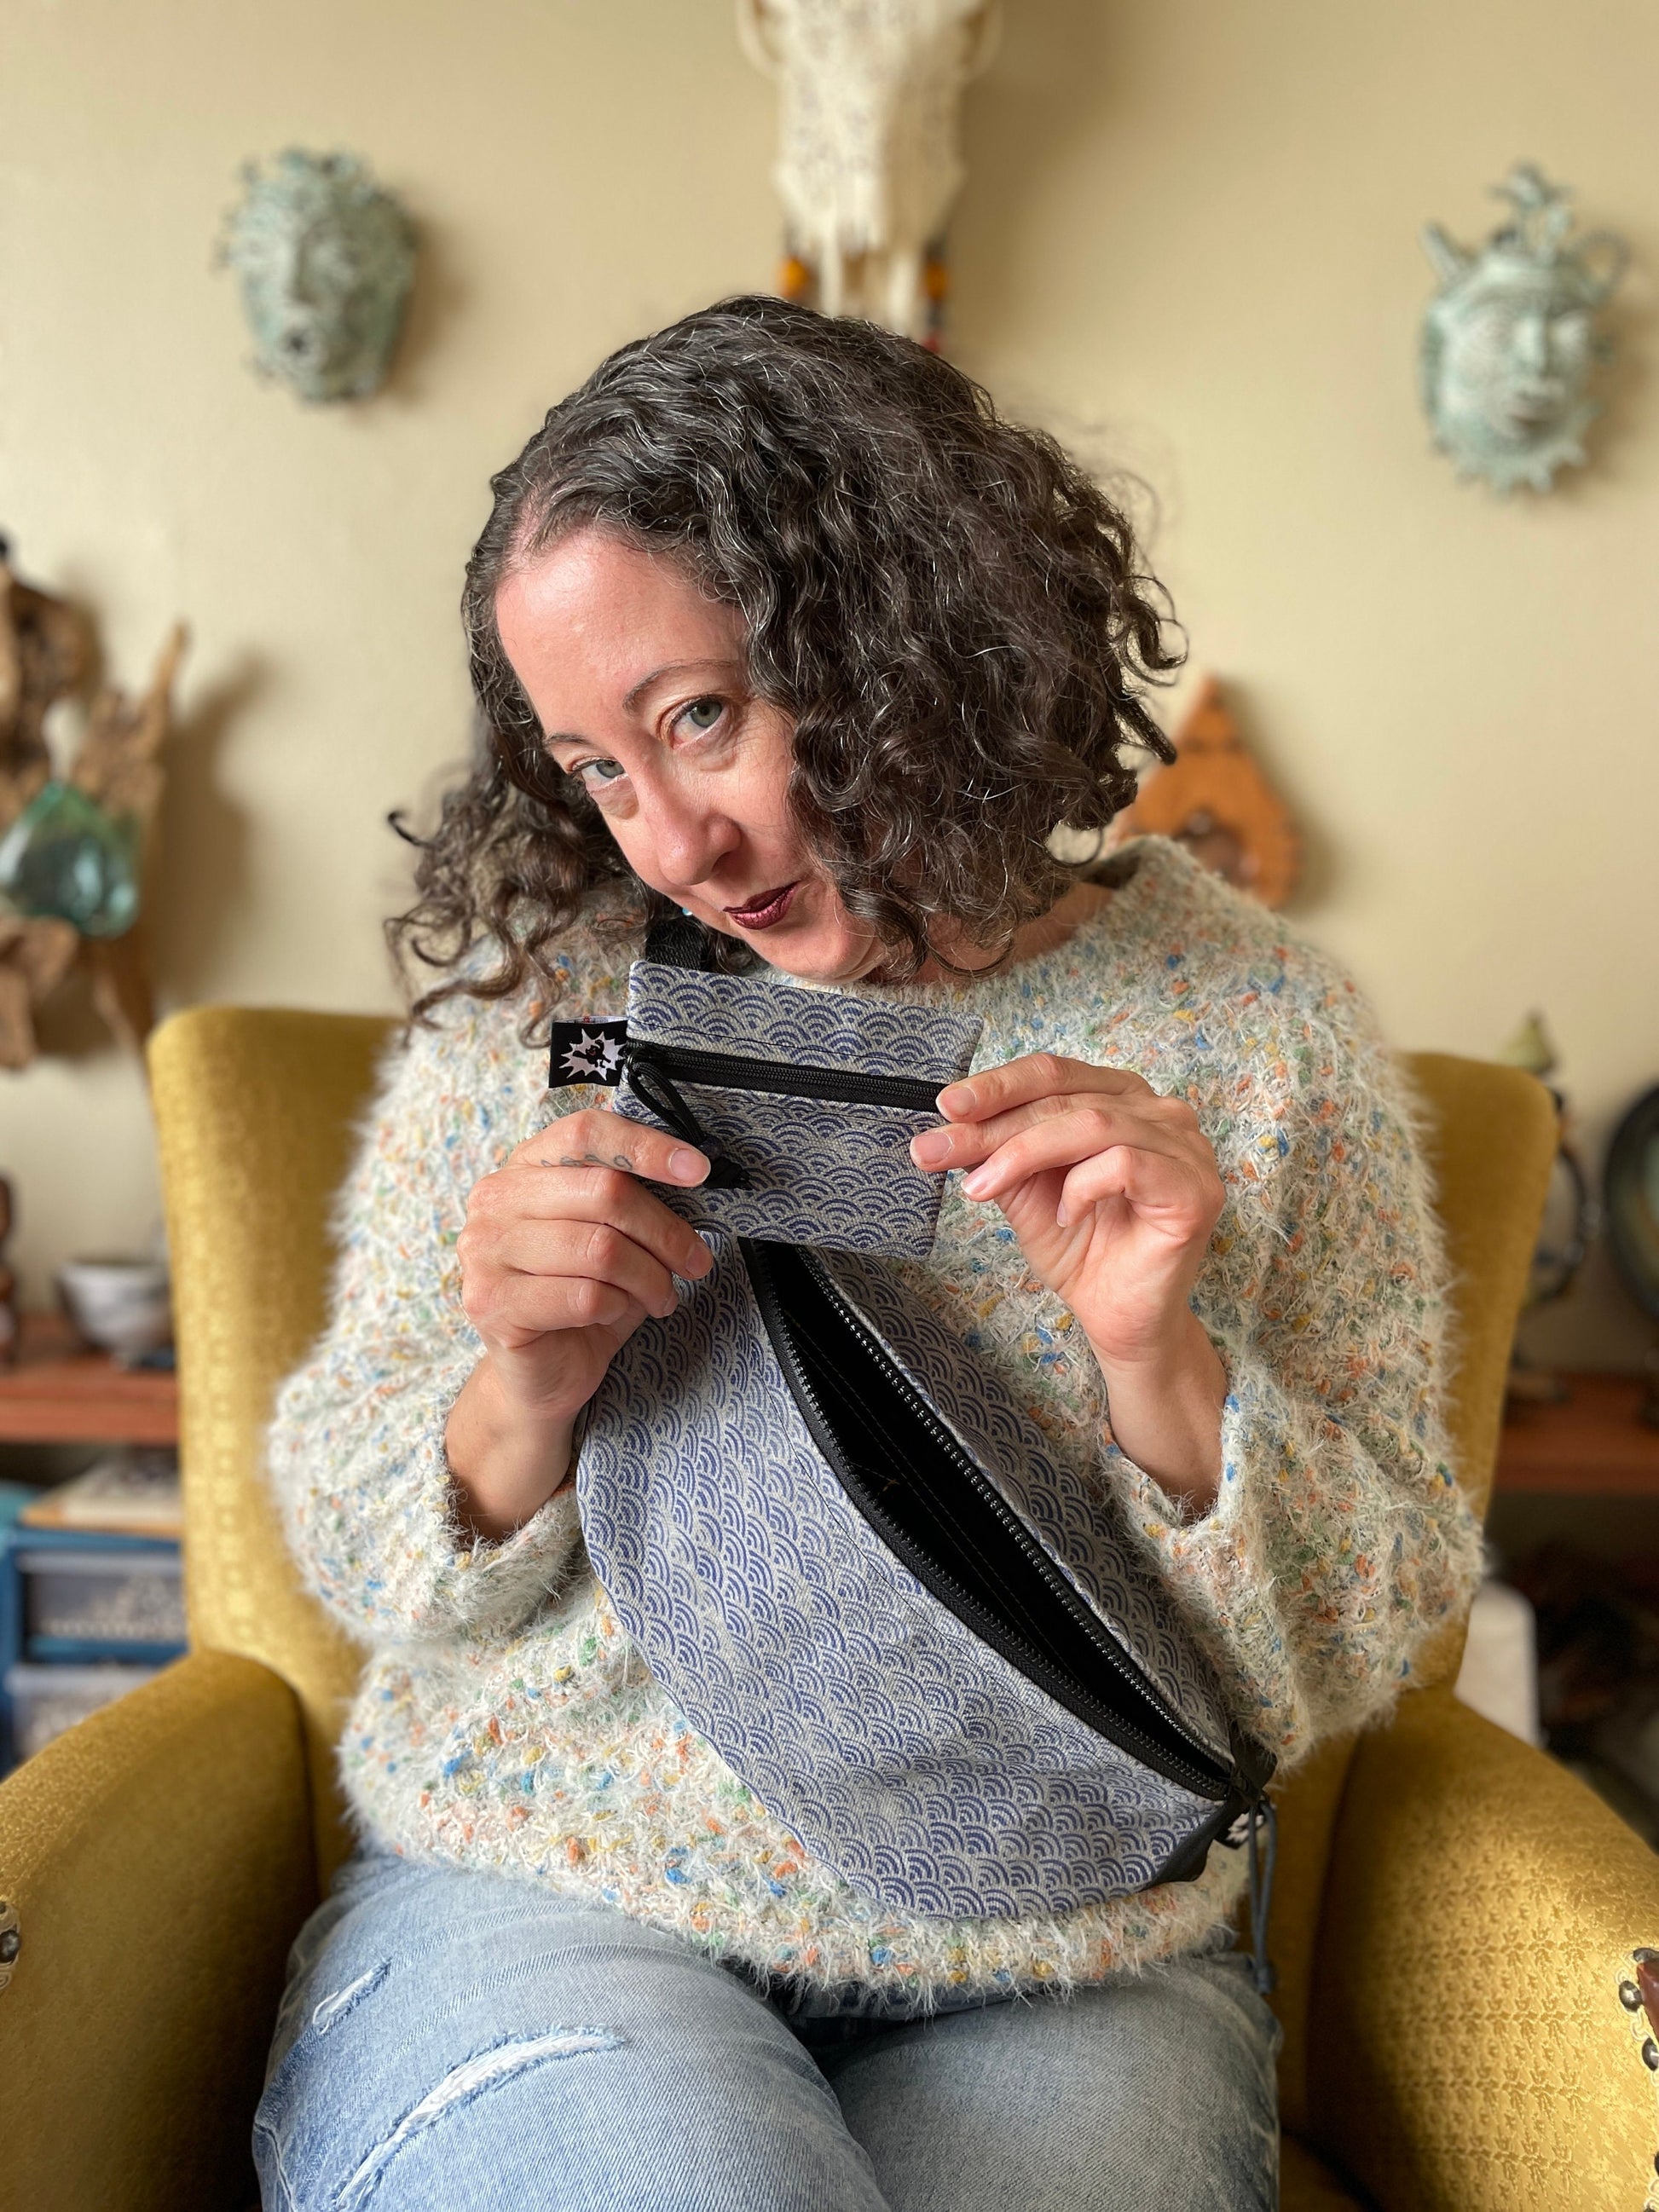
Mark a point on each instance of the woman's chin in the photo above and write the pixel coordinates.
(816, 954)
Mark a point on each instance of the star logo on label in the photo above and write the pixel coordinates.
(587, 1052)
(594, 1058)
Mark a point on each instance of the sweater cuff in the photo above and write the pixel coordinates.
(501, 1580)
(388, 1549)
(1219, 1565)
(1253, 1408)
(467, 1584)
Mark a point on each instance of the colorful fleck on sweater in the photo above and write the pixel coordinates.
(505, 1721)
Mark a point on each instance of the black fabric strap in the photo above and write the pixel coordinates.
(677, 940)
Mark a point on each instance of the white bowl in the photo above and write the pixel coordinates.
(123, 1306)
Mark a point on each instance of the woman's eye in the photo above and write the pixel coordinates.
(703, 713)
(597, 771)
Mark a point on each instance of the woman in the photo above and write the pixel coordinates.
(775, 620)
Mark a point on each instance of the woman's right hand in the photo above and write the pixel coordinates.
(563, 1254)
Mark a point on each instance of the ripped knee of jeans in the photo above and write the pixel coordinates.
(474, 2077)
(329, 2011)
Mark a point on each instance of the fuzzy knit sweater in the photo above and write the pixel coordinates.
(505, 1721)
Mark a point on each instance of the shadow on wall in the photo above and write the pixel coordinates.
(1321, 851)
(1630, 320)
(1049, 88)
(202, 839)
(437, 302)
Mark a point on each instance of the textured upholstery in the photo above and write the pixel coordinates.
(160, 1858)
(1452, 1913)
(255, 1111)
(1467, 2045)
(1490, 1136)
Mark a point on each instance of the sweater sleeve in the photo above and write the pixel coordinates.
(1339, 1538)
(356, 1448)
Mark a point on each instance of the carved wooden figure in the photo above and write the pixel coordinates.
(1214, 799)
(119, 765)
(46, 653)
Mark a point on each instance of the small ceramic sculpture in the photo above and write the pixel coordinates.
(326, 259)
(1509, 341)
(869, 151)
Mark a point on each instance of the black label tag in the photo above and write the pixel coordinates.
(587, 1052)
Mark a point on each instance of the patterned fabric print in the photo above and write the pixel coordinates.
(1324, 1291)
(557, 1759)
(904, 1752)
(828, 1174)
(1083, 1531)
(505, 1721)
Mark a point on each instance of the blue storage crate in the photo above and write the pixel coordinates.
(79, 1597)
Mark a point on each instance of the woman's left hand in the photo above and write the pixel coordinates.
(1114, 1193)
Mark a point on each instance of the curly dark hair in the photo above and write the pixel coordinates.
(952, 613)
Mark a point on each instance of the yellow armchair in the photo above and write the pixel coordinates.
(1454, 1918)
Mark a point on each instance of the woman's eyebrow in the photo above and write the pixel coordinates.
(673, 668)
(658, 675)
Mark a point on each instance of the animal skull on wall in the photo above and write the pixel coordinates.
(869, 152)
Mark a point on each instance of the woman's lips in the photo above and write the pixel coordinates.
(762, 913)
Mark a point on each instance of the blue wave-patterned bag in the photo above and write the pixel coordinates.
(846, 1550)
(805, 1101)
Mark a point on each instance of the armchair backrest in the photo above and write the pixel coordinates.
(256, 1110)
(1490, 1136)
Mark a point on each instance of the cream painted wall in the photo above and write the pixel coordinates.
(1189, 242)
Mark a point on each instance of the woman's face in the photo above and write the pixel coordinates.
(638, 682)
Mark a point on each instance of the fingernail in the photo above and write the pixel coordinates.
(702, 1259)
(932, 1145)
(685, 1165)
(956, 1098)
(974, 1184)
(1062, 1215)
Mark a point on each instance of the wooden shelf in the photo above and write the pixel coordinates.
(59, 1393)
(1594, 1446)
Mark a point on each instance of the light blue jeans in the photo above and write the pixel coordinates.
(460, 2042)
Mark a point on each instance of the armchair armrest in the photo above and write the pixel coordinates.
(159, 1859)
(1469, 2048)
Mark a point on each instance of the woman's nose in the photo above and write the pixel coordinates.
(1531, 343)
(691, 838)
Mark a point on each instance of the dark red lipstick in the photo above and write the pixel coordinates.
(767, 910)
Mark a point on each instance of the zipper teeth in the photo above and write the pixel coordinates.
(737, 1072)
(1010, 1521)
(1205, 1772)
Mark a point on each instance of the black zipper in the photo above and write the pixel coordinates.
(731, 1070)
(1116, 1700)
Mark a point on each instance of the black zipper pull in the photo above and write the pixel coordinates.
(580, 1053)
(652, 1083)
